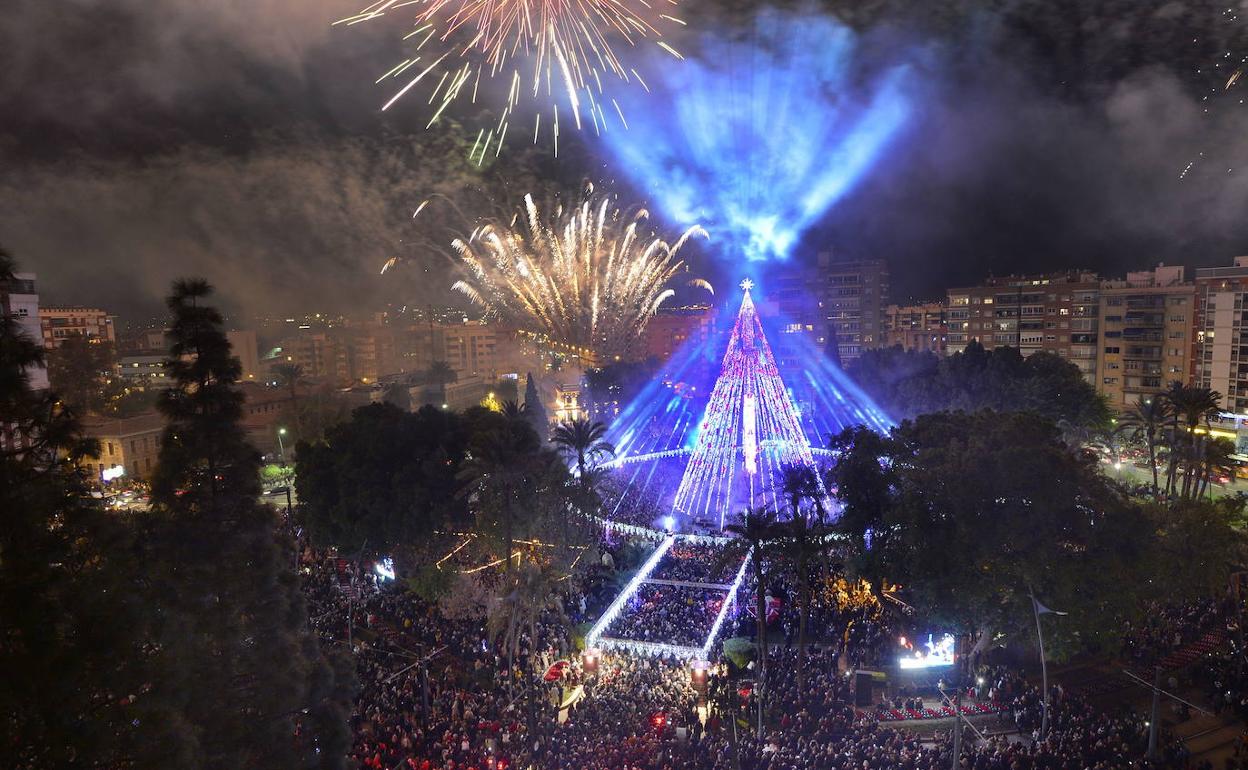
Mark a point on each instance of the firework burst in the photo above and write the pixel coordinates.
(551, 51)
(588, 276)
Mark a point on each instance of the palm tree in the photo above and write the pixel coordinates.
(513, 411)
(1111, 439)
(801, 542)
(755, 532)
(1173, 396)
(440, 374)
(1194, 405)
(583, 441)
(1145, 421)
(507, 474)
(797, 483)
(515, 613)
(1074, 435)
(1218, 458)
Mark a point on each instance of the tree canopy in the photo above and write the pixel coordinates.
(383, 479)
(973, 512)
(176, 637)
(909, 383)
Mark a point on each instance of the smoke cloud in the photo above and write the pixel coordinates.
(243, 141)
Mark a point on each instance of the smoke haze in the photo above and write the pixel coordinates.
(243, 142)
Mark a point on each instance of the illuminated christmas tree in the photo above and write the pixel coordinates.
(749, 430)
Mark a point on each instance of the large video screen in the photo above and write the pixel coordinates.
(927, 651)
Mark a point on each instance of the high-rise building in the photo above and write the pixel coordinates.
(372, 351)
(19, 299)
(1220, 346)
(792, 310)
(852, 295)
(319, 353)
(143, 371)
(916, 327)
(60, 322)
(671, 329)
(1055, 313)
(243, 347)
(470, 349)
(1146, 342)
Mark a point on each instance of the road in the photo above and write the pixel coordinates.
(1131, 474)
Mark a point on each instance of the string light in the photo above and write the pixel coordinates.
(750, 412)
(594, 636)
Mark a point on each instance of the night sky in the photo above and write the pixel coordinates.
(146, 139)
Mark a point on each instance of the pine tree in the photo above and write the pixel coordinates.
(237, 665)
(205, 462)
(66, 638)
(534, 409)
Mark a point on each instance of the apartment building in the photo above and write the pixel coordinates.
(143, 371)
(471, 349)
(852, 295)
(145, 340)
(60, 322)
(243, 347)
(1146, 342)
(1055, 313)
(1220, 346)
(672, 328)
(792, 312)
(916, 327)
(20, 300)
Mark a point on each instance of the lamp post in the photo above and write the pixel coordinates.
(281, 446)
(1039, 609)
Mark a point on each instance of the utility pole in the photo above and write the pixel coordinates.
(1152, 718)
(424, 687)
(351, 614)
(1044, 667)
(957, 727)
(762, 677)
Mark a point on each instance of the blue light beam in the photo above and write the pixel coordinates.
(758, 138)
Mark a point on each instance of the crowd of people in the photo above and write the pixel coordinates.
(697, 562)
(1165, 628)
(438, 693)
(435, 694)
(679, 615)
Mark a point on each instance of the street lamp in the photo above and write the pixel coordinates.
(1039, 609)
(281, 446)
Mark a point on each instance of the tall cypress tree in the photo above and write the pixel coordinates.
(239, 673)
(534, 409)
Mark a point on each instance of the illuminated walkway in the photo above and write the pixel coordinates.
(597, 638)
